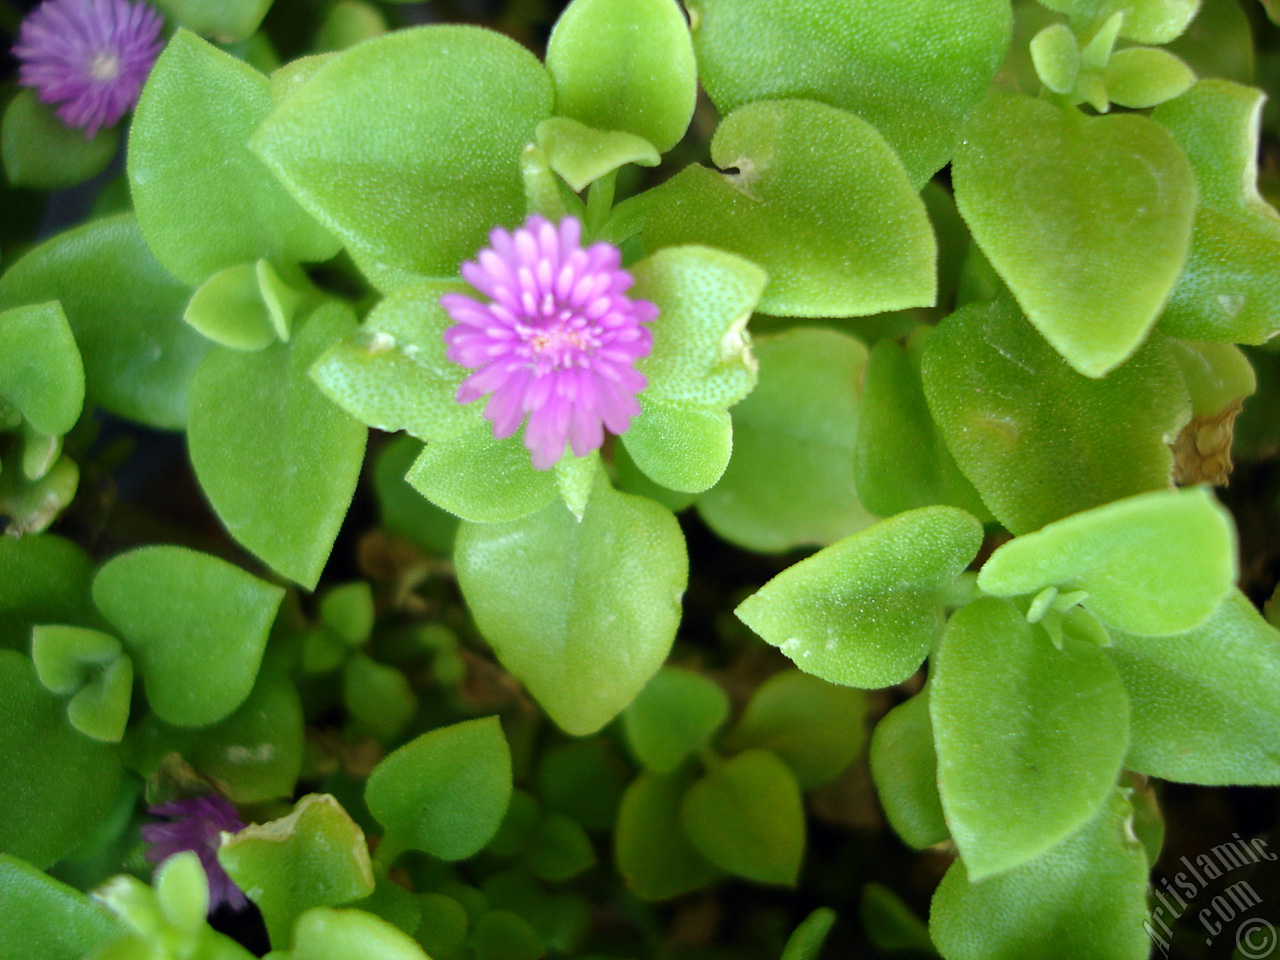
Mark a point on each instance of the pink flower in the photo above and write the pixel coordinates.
(91, 56)
(557, 342)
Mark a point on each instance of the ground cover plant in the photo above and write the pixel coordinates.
(623, 479)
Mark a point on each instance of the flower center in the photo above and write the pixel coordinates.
(104, 67)
(560, 340)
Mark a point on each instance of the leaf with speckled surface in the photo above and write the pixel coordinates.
(912, 68)
(1038, 440)
(1053, 725)
(865, 611)
(418, 179)
(818, 199)
(1087, 219)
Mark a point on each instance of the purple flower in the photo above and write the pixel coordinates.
(91, 56)
(558, 340)
(197, 824)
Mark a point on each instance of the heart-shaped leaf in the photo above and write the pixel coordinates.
(582, 611)
(48, 919)
(816, 197)
(188, 155)
(583, 154)
(1054, 725)
(653, 853)
(814, 727)
(314, 857)
(1203, 709)
(375, 169)
(41, 151)
(865, 611)
(1119, 555)
(1039, 440)
(323, 933)
(278, 461)
(673, 717)
(43, 579)
(746, 816)
(904, 766)
(1146, 21)
(125, 311)
(625, 65)
(444, 792)
(194, 625)
(901, 461)
(40, 370)
(1087, 219)
(1229, 290)
(58, 783)
(790, 479)
(1086, 897)
(910, 67)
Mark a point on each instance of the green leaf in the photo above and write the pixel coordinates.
(653, 853)
(890, 924)
(790, 480)
(1146, 21)
(503, 935)
(480, 478)
(40, 370)
(914, 69)
(40, 917)
(901, 461)
(314, 857)
(814, 727)
(1229, 290)
(393, 373)
(43, 579)
(347, 23)
(444, 792)
(1146, 76)
(90, 665)
(375, 169)
(701, 353)
(1086, 897)
(326, 934)
(124, 310)
(865, 611)
(746, 816)
(583, 154)
(1054, 725)
(377, 696)
(226, 21)
(904, 766)
(1203, 704)
(625, 65)
(584, 779)
(348, 611)
(1039, 440)
(404, 511)
(1119, 555)
(1034, 180)
(583, 612)
(673, 717)
(816, 197)
(58, 783)
(1056, 56)
(229, 310)
(807, 940)
(277, 460)
(188, 155)
(680, 449)
(195, 626)
(41, 151)
(443, 926)
(559, 849)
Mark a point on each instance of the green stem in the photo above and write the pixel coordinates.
(600, 202)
